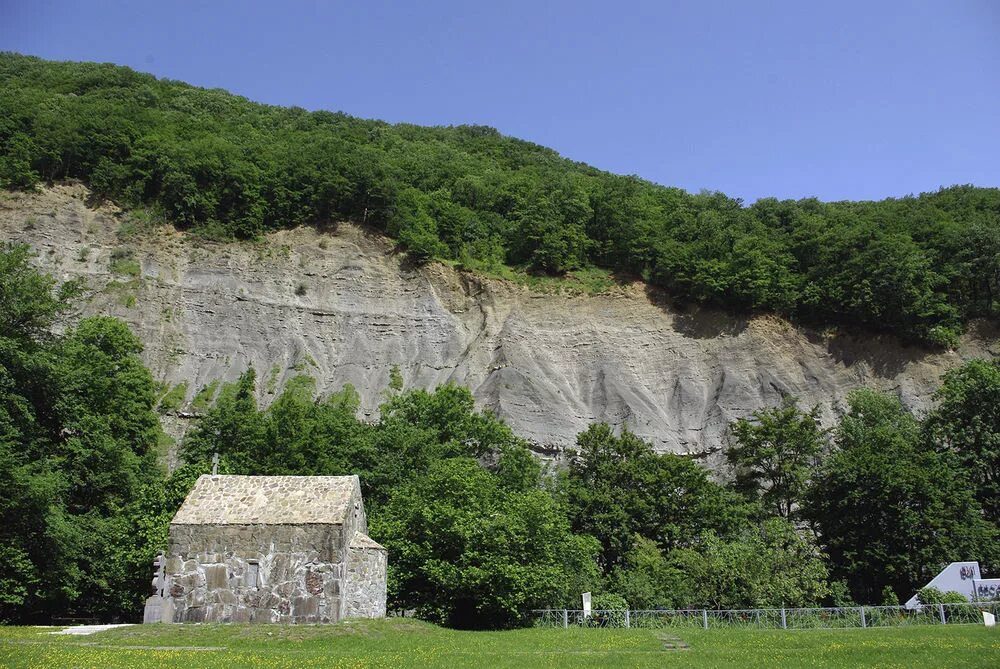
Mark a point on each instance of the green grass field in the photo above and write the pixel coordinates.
(408, 643)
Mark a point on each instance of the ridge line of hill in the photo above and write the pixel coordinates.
(919, 267)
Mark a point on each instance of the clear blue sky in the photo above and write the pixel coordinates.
(839, 100)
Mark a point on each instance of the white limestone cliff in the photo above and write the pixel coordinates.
(342, 306)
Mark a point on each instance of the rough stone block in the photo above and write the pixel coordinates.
(305, 607)
(196, 598)
(216, 576)
(153, 611)
(194, 614)
(314, 582)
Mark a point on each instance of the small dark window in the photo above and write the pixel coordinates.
(253, 570)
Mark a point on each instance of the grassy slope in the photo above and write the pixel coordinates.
(396, 643)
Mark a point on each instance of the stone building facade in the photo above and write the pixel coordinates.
(276, 549)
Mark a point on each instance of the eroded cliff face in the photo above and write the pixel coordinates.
(341, 306)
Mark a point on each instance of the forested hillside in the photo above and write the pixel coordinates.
(916, 266)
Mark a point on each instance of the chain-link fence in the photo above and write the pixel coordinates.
(842, 617)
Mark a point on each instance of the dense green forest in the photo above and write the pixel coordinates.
(919, 267)
(479, 532)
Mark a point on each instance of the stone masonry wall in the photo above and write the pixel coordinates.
(355, 520)
(299, 573)
(365, 582)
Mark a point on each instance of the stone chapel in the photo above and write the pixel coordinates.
(274, 549)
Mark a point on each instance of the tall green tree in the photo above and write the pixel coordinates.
(966, 422)
(234, 429)
(30, 302)
(889, 510)
(647, 580)
(470, 552)
(618, 487)
(78, 439)
(303, 435)
(760, 567)
(774, 454)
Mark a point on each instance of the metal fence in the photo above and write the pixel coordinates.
(843, 617)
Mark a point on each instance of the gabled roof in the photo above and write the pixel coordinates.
(268, 500)
(363, 541)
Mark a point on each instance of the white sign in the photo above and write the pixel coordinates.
(989, 619)
(586, 605)
(987, 589)
(958, 576)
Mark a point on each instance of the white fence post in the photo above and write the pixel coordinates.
(941, 613)
(628, 619)
(565, 619)
(864, 623)
(704, 617)
(784, 622)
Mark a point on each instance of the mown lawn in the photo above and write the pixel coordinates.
(408, 643)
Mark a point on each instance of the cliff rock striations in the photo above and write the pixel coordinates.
(340, 305)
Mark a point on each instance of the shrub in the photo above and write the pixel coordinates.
(203, 400)
(123, 262)
(609, 610)
(931, 596)
(173, 398)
